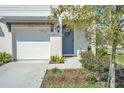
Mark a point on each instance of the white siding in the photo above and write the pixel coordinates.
(24, 13)
(5, 39)
(25, 10)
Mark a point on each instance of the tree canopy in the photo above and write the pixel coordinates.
(107, 18)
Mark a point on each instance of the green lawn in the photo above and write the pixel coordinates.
(88, 85)
(120, 59)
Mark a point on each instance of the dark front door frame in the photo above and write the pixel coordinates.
(67, 41)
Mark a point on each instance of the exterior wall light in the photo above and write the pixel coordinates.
(58, 28)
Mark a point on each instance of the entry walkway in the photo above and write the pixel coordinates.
(70, 63)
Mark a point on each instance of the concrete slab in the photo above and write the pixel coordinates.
(23, 74)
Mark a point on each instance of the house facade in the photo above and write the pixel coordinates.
(25, 32)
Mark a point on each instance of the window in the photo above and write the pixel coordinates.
(8, 26)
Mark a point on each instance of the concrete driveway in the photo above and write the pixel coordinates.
(23, 74)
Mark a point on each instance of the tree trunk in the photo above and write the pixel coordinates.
(111, 79)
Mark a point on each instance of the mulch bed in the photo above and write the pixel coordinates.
(68, 76)
(119, 73)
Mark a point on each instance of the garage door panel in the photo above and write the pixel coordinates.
(29, 46)
(32, 35)
(33, 43)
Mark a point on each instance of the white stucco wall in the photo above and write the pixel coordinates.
(55, 45)
(56, 39)
(5, 39)
(80, 41)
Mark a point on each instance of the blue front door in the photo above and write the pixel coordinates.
(68, 41)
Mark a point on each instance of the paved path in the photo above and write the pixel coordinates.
(22, 74)
(70, 63)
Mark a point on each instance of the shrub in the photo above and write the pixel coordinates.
(123, 46)
(56, 70)
(57, 59)
(103, 63)
(89, 77)
(94, 63)
(101, 52)
(87, 60)
(103, 59)
(98, 63)
(106, 67)
(104, 76)
(5, 57)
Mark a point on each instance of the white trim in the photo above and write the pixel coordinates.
(24, 19)
(25, 8)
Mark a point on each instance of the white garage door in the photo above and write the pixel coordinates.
(32, 42)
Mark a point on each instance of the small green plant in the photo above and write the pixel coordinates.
(5, 57)
(81, 70)
(89, 77)
(57, 59)
(56, 70)
(50, 78)
(104, 76)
